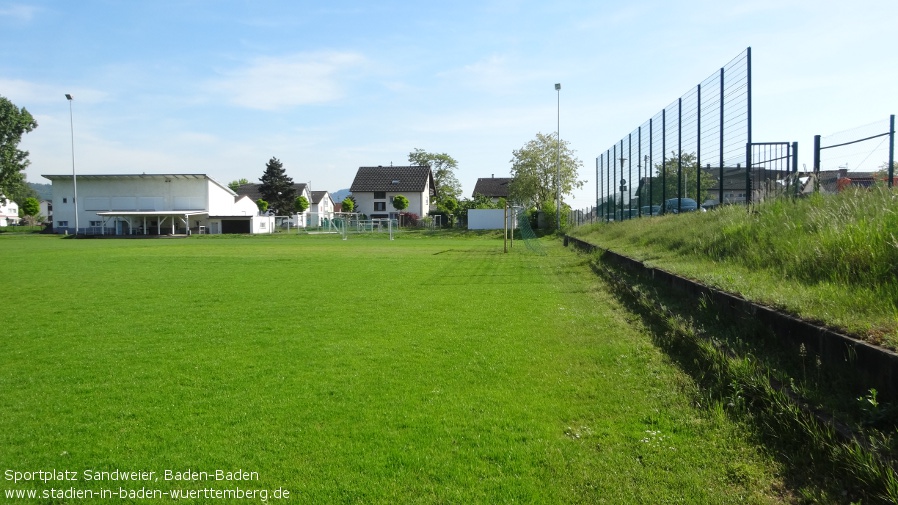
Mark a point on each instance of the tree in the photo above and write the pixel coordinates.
(277, 188)
(666, 184)
(14, 122)
(237, 183)
(534, 171)
(348, 204)
(443, 167)
(30, 207)
(400, 203)
(262, 205)
(300, 204)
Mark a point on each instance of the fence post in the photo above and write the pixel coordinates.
(698, 146)
(891, 150)
(795, 167)
(748, 187)
(648, 163)
(664, 159)
(720, 147)
(679, 154)
(816, 167)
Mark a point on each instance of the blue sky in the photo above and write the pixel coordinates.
(219, 87)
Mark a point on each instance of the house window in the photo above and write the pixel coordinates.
(380, 206)
(262, 225)
(382, 195)
(63, 224)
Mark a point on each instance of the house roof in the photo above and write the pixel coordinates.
(492, 187)
(136, 176)
(394, 179)
(317, 196)
(252, 190)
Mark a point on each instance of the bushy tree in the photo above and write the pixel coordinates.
(348, 204)
(535, 172)
(14, 122)
(237, 183)
(30, 207)
(443, 167)
(400, 203)
(263, 205)
(277, 188)
(300, 204)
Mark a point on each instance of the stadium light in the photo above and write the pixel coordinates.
(69, 97)
(558, 162)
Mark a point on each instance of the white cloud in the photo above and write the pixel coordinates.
(269, 83)
(494, 74)
(27, 94)
(19, 12)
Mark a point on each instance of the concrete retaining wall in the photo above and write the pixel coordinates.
(875, 367)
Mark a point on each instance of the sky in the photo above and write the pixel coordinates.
(219, 87)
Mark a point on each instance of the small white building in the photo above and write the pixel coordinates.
(9, 212)
(152, 204)
(289, 218)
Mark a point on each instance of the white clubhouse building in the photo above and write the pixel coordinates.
(152, 204)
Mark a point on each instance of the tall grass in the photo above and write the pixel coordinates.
(831, 258)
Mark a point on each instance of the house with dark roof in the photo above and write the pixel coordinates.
(493, 188)
(375, 187)
(321, 207)
(301, 189)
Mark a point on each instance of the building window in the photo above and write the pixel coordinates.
(380, 206)
(262, 225)
(380, 195)
(63, 224)
(96, 224)
(65, 200)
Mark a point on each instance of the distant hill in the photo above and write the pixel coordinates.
(44, 191)
(339, 195)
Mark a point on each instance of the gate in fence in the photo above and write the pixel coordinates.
(771, 170)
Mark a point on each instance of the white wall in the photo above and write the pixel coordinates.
(490, 219)
(9, 213)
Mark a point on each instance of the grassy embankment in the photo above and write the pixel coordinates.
(407, 371)
(830, 259)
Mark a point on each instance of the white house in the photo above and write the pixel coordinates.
(375, 187)
(47, 210)
(322, 207)
(9, 212)
(152, 204)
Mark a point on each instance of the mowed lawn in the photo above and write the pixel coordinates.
(419, 370)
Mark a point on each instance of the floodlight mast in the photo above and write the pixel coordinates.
(69, 97)
(558, 162)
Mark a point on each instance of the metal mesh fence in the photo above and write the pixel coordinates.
(684, 156)
(860, 156)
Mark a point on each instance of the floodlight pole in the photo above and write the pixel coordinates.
(69, 97)
(558, 162)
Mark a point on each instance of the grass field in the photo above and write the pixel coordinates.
(420, 370)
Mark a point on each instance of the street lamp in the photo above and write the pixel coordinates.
(69, 97)
(558, 162)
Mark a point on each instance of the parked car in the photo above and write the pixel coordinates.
(653, 210)
(675, 205)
